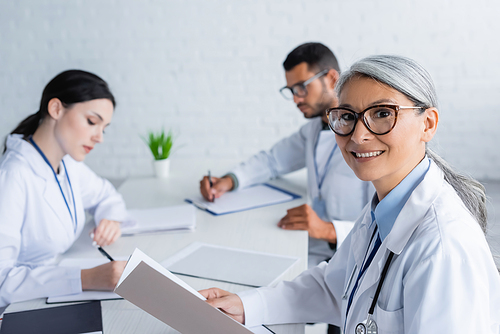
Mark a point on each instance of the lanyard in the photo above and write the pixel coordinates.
(318, 179)
(361, 328)
(369, 326)
(74, 221)
(364, 265)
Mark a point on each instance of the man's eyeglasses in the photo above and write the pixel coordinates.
(300, 89)
(379, 119)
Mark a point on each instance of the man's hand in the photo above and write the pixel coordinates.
(219, 187)
(304, 218)
(227, 302)
(106, 233)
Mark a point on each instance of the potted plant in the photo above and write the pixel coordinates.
(161, 146)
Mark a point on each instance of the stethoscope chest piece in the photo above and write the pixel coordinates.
(366, 327)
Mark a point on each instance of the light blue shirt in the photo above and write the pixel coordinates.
(386, 211)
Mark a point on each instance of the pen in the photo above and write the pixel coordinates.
(210, 180)
(103, 252)
(210, 183)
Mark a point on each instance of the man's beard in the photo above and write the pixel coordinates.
(319, 108)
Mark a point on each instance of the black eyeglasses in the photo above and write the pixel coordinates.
(300, 89)
(379, 119)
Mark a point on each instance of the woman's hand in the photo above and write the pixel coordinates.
(103, 277)
(106, 233)
(227, 302)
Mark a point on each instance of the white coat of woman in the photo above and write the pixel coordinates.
(45, 189)
(424, 227)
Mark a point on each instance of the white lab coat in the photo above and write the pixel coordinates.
(344, 194)
(35, 225)
(442, 279)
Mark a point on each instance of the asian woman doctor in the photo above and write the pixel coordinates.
(417, 260)
(45, 188)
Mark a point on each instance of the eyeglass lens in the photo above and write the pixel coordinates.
(297, 90)
(379, 119)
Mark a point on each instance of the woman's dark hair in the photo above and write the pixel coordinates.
(70, 87)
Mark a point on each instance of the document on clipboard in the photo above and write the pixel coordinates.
(244, 199)
(151, 287)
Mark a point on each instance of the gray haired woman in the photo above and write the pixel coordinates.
(417, 260)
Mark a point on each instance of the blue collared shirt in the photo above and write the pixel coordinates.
(386, 211)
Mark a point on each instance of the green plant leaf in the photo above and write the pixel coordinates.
(159, 144)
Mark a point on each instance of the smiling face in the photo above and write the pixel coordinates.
(81, 126)
(385, 160)
(320, 92)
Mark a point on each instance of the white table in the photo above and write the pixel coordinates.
(254, 229)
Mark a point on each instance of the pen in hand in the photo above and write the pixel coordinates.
(210, 180)
(103, 252)
(210, 183)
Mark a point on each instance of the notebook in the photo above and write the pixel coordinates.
(79, 318)
(172, 218)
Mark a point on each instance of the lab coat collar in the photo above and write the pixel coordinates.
(388, 209)
(409, 217)
(412, 215)
(16, 143)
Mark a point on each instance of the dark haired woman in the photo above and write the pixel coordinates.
(45, 189)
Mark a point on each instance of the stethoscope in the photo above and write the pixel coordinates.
(75, 220)
(369, 326)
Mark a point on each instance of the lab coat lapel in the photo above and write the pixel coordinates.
(360, 239)
(412, 215)
(52, 194)
(34, 159)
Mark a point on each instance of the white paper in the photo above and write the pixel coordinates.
(148, 285)
(138, 256)
(244, 199)
(173, 218)
(227, 264)
(85, 263)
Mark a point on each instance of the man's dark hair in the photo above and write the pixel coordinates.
(316, 55)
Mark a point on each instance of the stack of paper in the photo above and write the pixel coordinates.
(173, 218)
(244, 199)
(148, 285)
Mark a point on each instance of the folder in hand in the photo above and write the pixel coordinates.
(151, 287)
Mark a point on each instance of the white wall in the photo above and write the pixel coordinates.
(211, 70)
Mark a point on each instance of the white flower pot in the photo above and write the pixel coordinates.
(162, 168)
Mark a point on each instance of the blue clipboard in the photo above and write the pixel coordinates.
(204, 205)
